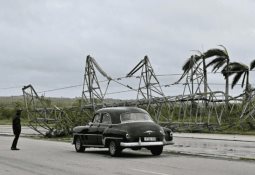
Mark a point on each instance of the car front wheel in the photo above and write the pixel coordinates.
(157, 150)
(78, 145)
(114, 148)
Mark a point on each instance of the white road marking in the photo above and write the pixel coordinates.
(149, 172)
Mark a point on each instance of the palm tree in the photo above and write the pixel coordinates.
(203, 57)
(221, 59)
(238, 70)
(190, 65)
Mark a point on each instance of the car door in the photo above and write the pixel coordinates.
(91, 136)
(105, 123)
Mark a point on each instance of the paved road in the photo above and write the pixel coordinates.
(214, 145)
(58, 158)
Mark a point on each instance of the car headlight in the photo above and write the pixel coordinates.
(162, 131)
(127, 136)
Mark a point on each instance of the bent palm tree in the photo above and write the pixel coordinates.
(190, 65)
(238, 70)
(221, 59)
(193, 64)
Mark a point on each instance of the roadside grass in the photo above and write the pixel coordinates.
(5, 122)
(247, 159)
(24, 122)
(67, 139)
(230, 124)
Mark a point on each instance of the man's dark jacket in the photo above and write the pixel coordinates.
(16, 126)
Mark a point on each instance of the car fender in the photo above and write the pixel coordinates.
(113, 134)
(168, 134)
(80, 129)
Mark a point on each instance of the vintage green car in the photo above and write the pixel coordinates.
(118, 128)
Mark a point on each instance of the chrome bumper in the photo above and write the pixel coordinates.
(168, 142)
(143, 144)
(137, 144)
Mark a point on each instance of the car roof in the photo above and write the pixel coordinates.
(121, 110)
(116, 111)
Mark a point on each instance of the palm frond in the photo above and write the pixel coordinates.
(190, 62)
(228, 70)
(252, 65)
(236, 79)
(224, 70)
(215, 52)
(216, 61)
(195, 70)
(217, 66)
(240, 66)
(183, 75)
(234, 68)
(224, 48)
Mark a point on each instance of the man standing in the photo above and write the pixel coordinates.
(16, 126)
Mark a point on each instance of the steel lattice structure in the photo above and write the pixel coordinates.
(197, 106)
(92, 94)
(149, 89)
(45, 120)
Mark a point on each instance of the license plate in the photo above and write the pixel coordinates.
(149, 139)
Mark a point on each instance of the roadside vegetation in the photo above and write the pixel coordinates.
(231, 123)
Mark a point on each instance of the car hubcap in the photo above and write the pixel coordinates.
(112, 148)
(78, 144)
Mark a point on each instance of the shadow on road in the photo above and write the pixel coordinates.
(125, 154)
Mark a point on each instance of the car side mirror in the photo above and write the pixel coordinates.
(90, 123)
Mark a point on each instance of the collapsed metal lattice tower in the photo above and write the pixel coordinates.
(249, 106)
(198, 105)
(149, 91)
(47, 120)
(92, 94)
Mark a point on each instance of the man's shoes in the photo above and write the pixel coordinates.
(15, 149)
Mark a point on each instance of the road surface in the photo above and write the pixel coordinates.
(213, 145)
(58, 158)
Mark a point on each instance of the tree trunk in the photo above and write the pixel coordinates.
(205, 82)
(205, 78)
(227, 87)
(247, 87)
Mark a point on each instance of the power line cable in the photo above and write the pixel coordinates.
(13, 87)
(119, 78)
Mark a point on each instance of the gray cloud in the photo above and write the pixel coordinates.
(45, 42)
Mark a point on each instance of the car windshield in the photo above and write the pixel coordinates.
(134, 117)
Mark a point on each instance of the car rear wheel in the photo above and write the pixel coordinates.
(157, 150)
(78, 145)
(114, 148)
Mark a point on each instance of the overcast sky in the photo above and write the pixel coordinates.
(45, 42)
